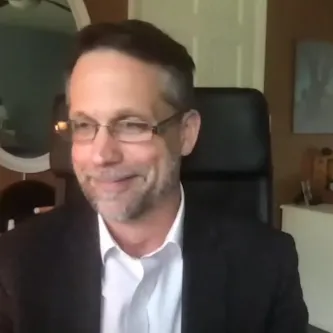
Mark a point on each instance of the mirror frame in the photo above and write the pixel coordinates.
(42, 163)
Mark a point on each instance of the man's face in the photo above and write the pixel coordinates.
(123, 180)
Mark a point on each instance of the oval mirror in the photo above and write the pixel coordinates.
(36, 38)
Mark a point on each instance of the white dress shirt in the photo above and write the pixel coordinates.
(142, 295)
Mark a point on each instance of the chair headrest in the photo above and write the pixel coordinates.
(235, 132)
(60, 159)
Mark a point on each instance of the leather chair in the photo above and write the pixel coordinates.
(231, 163)
(230, 167)
(60, 158)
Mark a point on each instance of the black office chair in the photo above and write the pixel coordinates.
(230, 167)
(68, 189)
(231, 164)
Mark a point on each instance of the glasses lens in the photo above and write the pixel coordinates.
(130, 131)
(75, 131)
(124, 131)
(83, 131)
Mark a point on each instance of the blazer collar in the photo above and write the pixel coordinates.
(204, 270)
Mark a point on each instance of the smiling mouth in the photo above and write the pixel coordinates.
(119, 184)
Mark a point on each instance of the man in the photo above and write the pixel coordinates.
(144, 259)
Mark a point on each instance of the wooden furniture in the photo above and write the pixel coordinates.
(317, 168)
(107, 10)
(312, 229)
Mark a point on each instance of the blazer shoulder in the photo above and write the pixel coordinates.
(32, 231)
(250, 234)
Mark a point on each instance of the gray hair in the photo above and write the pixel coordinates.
(145, 42)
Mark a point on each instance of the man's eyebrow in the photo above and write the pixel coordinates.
(130, 113)
(80, 115)
(120, 114)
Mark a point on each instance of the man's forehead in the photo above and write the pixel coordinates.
(112, 60)
(117, 91)
(117, 76)
(156, 112)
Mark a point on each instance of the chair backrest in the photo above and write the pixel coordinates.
(230, 168)
(60, 160)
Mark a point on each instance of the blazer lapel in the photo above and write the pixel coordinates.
(204, 274)
(84, 266)
(59, 278)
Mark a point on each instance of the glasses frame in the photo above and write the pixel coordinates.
(156, 129)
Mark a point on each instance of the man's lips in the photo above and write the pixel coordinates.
(114, 184)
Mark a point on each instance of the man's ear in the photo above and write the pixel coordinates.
(190, 130)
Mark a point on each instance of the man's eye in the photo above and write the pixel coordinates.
(82, 126)
(132, 126)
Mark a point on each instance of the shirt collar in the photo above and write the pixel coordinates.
(175, 234)
(106, 241)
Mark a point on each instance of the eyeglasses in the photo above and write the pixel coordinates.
(123, 130)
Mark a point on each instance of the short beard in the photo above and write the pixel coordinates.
(133, 211)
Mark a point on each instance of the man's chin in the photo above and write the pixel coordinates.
(116, 217)
(117, 211)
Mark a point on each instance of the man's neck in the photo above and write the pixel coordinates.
(145, 236)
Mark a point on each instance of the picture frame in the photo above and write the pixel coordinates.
(313, 88)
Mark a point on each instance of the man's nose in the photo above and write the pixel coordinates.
(106, 149)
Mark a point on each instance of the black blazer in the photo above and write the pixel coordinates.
(239, 277)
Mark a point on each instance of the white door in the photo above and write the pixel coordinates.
(225, 37)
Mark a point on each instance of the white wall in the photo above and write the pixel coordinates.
(312, 229)
(225, 37)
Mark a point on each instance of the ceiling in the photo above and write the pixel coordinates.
(45, 16)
